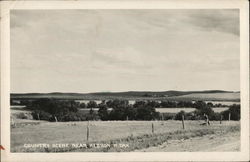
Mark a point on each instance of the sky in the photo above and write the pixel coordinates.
(124, 50)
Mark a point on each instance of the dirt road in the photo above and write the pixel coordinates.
(209, 143)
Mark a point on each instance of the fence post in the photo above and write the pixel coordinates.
(229, 116)
(88, 131)
(183, 125)
(13, 122)
(220, 119)
(38, 117)
(153, 128)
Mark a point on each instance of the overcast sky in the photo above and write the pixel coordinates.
(124, 50)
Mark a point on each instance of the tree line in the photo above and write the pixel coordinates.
(112, 103)
(70, 110)
(153, 103)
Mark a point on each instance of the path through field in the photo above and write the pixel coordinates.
(207, 143)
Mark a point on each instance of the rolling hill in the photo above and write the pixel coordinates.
(215, 95)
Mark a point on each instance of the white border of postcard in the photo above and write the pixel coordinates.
(243, 155)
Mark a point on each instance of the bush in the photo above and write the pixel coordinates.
(41, 115)
(215, 116)
(168, 116)
(22, 116)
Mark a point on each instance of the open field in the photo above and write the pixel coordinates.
(209, 96)
(138, 134)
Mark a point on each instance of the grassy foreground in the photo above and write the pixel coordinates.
(116, 136)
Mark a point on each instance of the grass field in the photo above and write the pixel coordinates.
(209, 96)
(136, 133)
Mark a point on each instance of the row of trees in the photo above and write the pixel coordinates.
(234, 111)
(129, 113)
(68, 110)
(116, 102)
(153, 103)
(62, 110)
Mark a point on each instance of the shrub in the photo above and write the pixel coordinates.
(21, 116)
(215, 116)
(41, 115)
(168, 116)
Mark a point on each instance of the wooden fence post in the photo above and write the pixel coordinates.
(229, 116)
(38, 117)
(13, 124)
(220, 119)
(153, 128)
(88, 131)
(183, 125)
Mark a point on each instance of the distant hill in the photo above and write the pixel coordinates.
(137, 95)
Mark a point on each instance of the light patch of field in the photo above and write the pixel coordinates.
(187, 110)
(174, 110)
(20, 113)
(220, 109)
(17, 106)
(210, 96)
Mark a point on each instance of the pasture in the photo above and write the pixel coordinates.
(232, 96)
(100, 131)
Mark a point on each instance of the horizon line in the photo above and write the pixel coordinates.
(233, 91)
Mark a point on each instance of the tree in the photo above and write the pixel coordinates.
(139, 104)
(130, 113)
(82, 105)
(92, 104)
(153, 104)
(103, 113)
(203, 109)
(146, 113)
(117, 113)
(167, 104)
(117, 103)
(41, 115)
(178, 116)
(200, 105)
(49, 109)
(210, 104)
(234, 110)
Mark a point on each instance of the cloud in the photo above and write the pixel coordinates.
(218, 20)
(86, 50)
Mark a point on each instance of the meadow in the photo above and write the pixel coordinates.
(107, 132)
